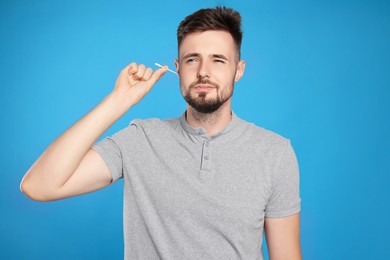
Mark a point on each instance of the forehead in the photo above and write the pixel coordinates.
(208, 42)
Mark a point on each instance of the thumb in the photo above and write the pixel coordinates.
(157, 74)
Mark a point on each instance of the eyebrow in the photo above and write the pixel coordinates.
(192, 54)
(219, 56)
(195, 54)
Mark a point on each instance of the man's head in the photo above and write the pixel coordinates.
(209, 58)
(212, 19)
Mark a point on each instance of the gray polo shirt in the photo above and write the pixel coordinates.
(190, 196)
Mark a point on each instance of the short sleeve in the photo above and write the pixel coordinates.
(111, 154)
(285, 200)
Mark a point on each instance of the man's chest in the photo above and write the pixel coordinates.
(224, 183)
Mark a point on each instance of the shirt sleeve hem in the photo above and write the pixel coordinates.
(110, 164)
(284, 213)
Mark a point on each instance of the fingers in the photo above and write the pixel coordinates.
(140, 73)
(147, 74)
(157, 74)
(137, 71)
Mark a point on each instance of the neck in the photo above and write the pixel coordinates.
(214, 122)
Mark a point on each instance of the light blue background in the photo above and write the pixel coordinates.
(317, 72)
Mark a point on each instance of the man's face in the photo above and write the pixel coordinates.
(208, 67)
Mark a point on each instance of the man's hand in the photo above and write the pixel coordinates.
(135, 81)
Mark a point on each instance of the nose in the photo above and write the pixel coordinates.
(203, 70)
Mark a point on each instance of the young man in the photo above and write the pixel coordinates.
(203, 186)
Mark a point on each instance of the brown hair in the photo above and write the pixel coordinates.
(218, 18)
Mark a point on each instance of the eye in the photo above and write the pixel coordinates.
(219, 61)
(191, 60)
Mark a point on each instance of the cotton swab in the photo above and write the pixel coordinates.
(159, 65)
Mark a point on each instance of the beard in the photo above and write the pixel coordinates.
(202, 103)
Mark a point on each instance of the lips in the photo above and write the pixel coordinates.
(203, 87)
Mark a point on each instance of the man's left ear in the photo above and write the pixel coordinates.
(240, 70)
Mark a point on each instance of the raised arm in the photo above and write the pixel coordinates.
(283, 238)
(69, 167)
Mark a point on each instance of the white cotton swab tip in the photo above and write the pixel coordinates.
(159, 65)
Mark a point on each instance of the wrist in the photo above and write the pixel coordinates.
(120, 101)
(116, 105)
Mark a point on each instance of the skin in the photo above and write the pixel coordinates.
(209, 55)
(283, 237)
(69, 167)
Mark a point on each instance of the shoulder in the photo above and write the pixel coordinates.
(261, 136)
(139, 129)
(153, 126)
(153, 123)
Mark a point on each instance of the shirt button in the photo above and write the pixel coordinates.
(206, 157)
(207, 144)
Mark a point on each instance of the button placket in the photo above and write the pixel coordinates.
(206, 163)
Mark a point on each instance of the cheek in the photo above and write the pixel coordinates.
(186, 79)
(188, 69)
(184, 87)
(224, 79)
(224, 72)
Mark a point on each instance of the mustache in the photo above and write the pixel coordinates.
(204, 81)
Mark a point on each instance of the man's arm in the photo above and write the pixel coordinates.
(69, 166)
(283, 238)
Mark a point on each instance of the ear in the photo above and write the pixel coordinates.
(177, 66)
(240, 70)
